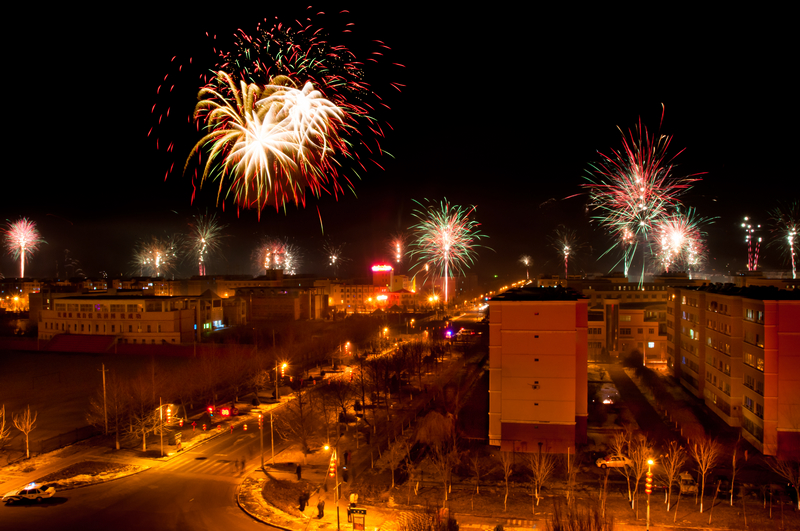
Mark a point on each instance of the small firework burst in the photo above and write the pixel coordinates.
(277, 254)
(565, 241)
(335, 257)
(680, 240)
(526, 262)
(158, 256)
(204, 239)
(785, 224)
(446, 238)
(22, 240)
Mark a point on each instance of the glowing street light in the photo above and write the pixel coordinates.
(648, 488)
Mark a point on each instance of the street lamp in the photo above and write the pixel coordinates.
(648, 488)
(283, 371)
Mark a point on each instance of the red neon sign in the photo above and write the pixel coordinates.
(382, 268)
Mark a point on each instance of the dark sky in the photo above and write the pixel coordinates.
(501, 108)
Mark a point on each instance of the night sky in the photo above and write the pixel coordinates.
(501, 109)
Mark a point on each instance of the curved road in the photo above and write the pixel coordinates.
(193, 491)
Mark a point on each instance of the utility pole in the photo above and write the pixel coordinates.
(261, 433)
(272, 438)
(161, 430)
(105, 409)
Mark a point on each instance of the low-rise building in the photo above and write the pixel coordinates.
(136, 318)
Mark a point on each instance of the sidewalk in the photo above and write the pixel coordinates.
(12, 477)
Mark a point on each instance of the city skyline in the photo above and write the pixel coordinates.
(491, 114)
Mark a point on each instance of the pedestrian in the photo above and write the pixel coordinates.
(242, 463)
(299, 472)
(347, 457)
(321, 508)
(302, 502)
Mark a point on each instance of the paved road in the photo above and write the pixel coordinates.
(194, 491)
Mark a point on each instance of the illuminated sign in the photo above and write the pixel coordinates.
(382, 268)
(382, 297)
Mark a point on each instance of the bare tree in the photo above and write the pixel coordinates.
(706, 452)
(619, 447)
(507, 462)
(672, 462)
(572, 465)
(733, 465)
(299, 421)
(542, 466)
(117, 401)
(342, 392)
(26, 423)
(604, 494)
(141, 424)
(639, 452)
(788, 470)
(475, 460)
(444, 457)
(5, 433)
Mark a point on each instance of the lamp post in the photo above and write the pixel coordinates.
(648, 488)
(161, 421)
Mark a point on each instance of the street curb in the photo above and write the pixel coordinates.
(145, 469)
(255, 516)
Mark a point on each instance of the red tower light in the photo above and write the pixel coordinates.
(332, 467)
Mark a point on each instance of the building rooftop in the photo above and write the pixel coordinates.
(763, 293)
(538, 294)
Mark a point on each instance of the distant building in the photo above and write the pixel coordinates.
(281, 303)
(538, 375)
(738, 349)
(135, 318)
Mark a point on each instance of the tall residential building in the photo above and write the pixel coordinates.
(538, 376)
(738, 349)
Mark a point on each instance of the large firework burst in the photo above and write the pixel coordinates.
(445, 238)
(157, 256)
(785, 224)
(204, 239)
(271, 142)
(22, 240)
(327, 130)
(634, 188)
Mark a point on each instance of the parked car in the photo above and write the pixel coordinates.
(613, 461)
(32, 491)
(687, 483)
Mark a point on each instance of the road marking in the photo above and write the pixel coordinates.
(222, 455)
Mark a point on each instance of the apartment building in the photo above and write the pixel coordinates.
(738, 349)
(538, 377)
